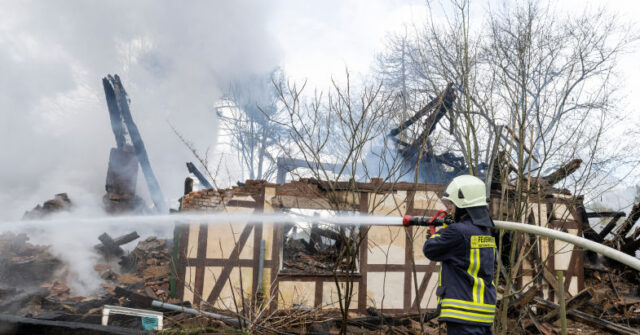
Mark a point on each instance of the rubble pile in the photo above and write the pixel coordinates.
(23, 264)
(609, 304)
(616, 295)
(146, 270)
(33, 281)
(59, 203)
(315, 254)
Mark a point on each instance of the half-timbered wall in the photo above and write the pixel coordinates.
(218, 263)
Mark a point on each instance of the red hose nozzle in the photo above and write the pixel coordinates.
(437, 220)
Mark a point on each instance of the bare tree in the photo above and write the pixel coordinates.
(547, 77)
(243, 114)
(341, 136)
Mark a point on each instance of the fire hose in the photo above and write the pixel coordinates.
(578, 241)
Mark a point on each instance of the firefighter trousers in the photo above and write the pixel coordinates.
(463, 329)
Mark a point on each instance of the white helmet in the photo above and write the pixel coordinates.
(470, 193)
(466, 191)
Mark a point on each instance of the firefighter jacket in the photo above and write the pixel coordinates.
(466, 293)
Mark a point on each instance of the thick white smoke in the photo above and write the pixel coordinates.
(173, 60)
(55, 133)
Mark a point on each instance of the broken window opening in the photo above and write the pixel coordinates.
(314, 247)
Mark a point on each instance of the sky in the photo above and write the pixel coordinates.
(174, 60)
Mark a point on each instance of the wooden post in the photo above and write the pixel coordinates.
(561, 302)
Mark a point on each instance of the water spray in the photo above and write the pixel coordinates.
(279, 218)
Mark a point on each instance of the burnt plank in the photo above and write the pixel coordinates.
(626, 226)
(589, 319)
(194, 170)
(573, 303)
(609, 227)
(563, 172)
(605, 214)
(124, 239)
(109, 246)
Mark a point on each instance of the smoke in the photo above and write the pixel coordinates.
(55, 133)
(173, 60)
(72, 241)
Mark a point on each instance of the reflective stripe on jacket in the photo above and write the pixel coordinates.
(466, 293)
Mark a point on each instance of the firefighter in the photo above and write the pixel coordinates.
(466, 250)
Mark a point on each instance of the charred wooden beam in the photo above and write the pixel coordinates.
(525, 298)
(122, 173)
(609, 227)
(631, 247)
(444, 102)
(328, 233)
(563, 172)
(589, 319)
(543, 328)
(111, 247)
(377, 319)
(573, 303)
(625, 227)
(117, 124)
(141, 152)
(194, 170)
(605, 214)
(447, 95)
(587, 230)
(124, 239)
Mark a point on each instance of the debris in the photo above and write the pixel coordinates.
(588, 319)
(118, 104)
(149, 302)
(434, 168)
(621, 239)
(561, 173)
(129, 279)
(59, 203)
(573, 303)
(110, 247)
(525, 298)
(316, 254)
(12, 324)
(151, 320)
(203, 181)
(23, 264)
(57, 290)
